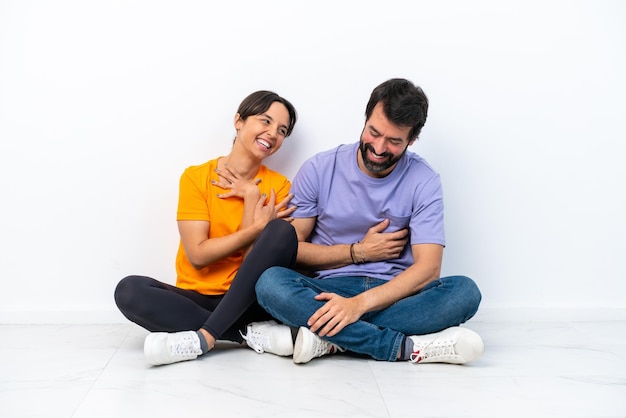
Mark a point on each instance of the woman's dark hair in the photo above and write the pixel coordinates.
(404, 104)
(259, 101)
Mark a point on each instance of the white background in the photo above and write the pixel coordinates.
(104, 103)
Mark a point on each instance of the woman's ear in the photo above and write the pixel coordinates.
(238, 122)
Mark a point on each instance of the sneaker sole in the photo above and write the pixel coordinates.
(148, 353)
(285, 347)
(303, 339)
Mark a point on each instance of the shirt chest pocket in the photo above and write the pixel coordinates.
(397, 222)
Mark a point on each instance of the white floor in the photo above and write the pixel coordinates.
(531, 369)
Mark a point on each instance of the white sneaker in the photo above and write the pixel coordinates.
(454, 345)
(269, 337)
(309, 345)
(165, 348)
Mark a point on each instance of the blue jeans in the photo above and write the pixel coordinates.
(289, 296)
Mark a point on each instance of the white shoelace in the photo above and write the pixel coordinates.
(323, 347)
(256, 340)
(183, 345)
(429, 350)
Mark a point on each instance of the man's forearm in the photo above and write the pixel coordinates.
(322, 257)
(406, 284)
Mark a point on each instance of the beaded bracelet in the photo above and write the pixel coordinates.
(361, 251)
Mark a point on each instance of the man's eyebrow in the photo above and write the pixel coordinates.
(392, 138)
(373, 128)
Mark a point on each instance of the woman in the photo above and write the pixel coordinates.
(229, 210)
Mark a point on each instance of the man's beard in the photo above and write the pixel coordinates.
(374, 167)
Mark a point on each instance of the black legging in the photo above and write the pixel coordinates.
(160, 307)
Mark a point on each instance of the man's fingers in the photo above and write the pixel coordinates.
(328, 329)
(380, 227)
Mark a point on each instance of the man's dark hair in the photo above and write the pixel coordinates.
(404, 104)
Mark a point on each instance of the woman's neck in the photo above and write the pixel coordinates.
(244, 165)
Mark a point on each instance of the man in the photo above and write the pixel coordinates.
(369, 222)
